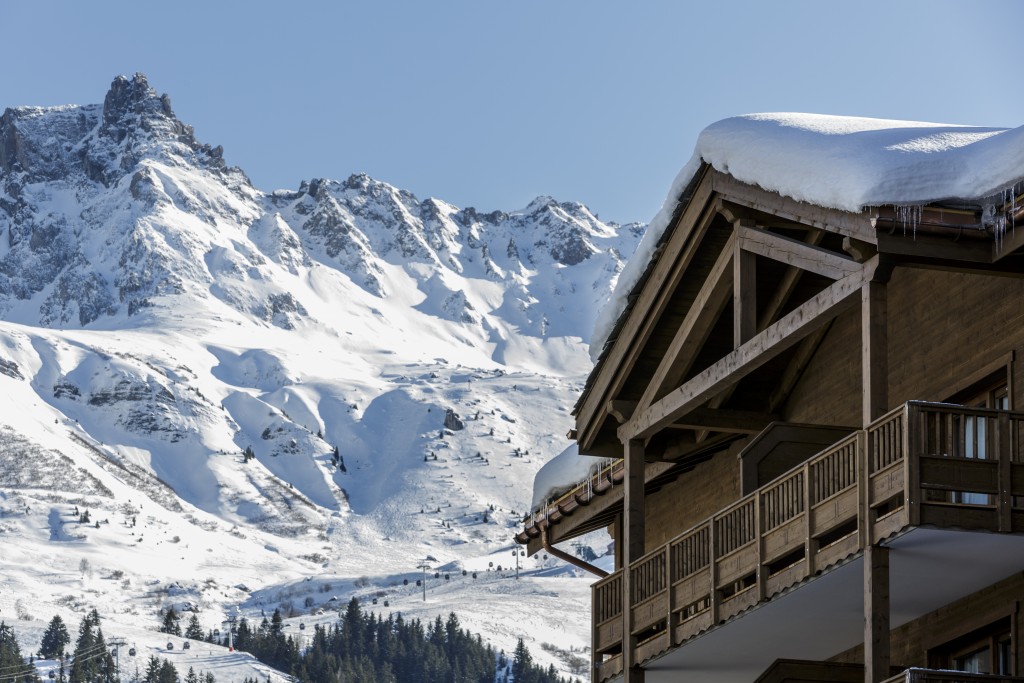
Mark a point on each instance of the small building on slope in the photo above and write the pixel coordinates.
(804, 413)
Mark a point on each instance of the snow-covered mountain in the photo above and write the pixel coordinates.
(397, 368)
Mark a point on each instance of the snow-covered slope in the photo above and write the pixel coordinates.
(398, 369)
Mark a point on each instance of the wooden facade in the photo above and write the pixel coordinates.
(792, 394)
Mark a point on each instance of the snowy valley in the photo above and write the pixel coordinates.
(276, 400)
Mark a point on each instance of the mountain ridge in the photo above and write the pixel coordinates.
(341, 372)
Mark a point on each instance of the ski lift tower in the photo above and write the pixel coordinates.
(117, 644)
(230, 621)
(424, 566)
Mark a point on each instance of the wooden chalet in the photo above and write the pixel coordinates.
(818, 459)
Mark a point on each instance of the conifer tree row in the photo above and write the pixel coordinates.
(364, 648)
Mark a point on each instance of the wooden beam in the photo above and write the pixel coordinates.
(799, 323)
(633, 503)
(769, 315)
(744, 289)
(696, 326)
(678, 252)
(795, 253)
(857, 225)
(874, 352)
(930, 247)
(725, 420)
(621, 410)
(860, 251)
(876, 614)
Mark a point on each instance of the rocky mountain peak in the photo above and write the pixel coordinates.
(133, 98)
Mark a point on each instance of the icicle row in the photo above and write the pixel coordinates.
(909, 214)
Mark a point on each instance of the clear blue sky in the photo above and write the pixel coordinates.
(492, 103)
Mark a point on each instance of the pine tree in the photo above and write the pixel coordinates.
(152, 669)
(167, 674)
(172, 622)
(522, 661)
(194, 630)
(55, 639)
(92, 662)
(15, 669)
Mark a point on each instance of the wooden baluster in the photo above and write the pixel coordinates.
(713, 569)
(809, 544)
(670, 599)
(760, 577)
(1004, 500)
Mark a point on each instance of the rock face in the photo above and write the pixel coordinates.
(452, 421)
(114, 210)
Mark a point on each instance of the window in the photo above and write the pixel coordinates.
(984, 651)
(990, 393)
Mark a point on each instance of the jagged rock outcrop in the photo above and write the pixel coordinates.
(118, 210)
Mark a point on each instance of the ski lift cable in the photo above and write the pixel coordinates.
(87, 655)
(24, 669)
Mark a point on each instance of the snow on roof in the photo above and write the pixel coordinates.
(839, 162)
(561, 473)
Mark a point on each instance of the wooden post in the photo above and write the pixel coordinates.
(865, 454)
(874, 356)
(744, 294)
(876, 613)
(633, 549)
(912, 449)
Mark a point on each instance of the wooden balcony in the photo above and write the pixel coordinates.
(923, 464)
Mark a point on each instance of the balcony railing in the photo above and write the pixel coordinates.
(965, 469)
(935, 676)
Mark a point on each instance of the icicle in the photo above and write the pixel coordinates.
(909, 214)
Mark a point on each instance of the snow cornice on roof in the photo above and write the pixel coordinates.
(836, 162)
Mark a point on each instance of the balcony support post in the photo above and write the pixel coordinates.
(633, 509)
(874, 351)
(876, 613)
